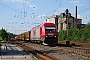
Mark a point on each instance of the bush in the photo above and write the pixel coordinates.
(62, 35)
(75, 34)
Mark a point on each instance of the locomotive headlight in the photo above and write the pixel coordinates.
(46, 36)
(55, 36)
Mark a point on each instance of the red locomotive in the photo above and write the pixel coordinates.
(44, 33)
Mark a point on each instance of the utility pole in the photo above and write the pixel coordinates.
(76, 16)
(67, 42)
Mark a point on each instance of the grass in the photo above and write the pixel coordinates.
(33, 58)
(3, 40)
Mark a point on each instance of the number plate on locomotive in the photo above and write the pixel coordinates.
(50, 33)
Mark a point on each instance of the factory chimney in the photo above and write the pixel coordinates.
(75, 19)
(76, 13)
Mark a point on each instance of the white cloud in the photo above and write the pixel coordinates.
(22, 1)
(78, 16)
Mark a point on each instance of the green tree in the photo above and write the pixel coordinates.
(76, 34)
(88, 31)
(3, 34)
(71, 34)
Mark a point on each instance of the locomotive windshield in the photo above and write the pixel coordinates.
(50, 28)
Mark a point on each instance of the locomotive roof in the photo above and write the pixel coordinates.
(44, 24)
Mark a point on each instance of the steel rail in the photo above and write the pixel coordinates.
(40, 54)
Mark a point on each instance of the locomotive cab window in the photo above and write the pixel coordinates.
(50, 28)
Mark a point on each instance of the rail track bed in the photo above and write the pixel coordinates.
(38, 54)
(62, 53)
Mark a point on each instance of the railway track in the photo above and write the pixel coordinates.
(80, 52)
(37, 53)
(74, 53)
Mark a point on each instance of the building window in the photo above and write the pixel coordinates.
(69, 25)
(61, 26)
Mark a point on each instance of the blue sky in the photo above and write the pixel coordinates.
(18, 16)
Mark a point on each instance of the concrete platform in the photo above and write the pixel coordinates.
(11, 52)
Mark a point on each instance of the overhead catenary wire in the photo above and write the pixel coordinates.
(15, 9)
(25, 11)
(10, 7)
(84, 10)
(60, 4)
(49, 4)
(58, 7)
(29, 5)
